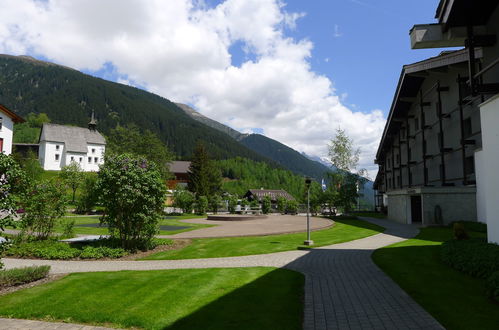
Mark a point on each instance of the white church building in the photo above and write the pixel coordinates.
(7, 120)
(60, 145)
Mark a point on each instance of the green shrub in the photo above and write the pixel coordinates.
(133, 193)
(232, 203)
(18, 276)
(68, 228)
(478, 227)
(493, 286)
(90, 252)
(292, 207)
(88, 196)
(266, 204)
(460, 232)
(475, 256)
(201, 205)
(50, 249)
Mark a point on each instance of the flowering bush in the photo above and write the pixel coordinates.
(133, 194)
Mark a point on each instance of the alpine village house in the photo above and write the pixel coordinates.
(440, 147)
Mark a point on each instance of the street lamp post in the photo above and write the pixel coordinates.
(308, 181)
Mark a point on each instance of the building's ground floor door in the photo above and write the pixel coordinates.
(1, 145)
(416, 212)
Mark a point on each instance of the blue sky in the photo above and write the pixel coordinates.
(360, 45)
(293, 70)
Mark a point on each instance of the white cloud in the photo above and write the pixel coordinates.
(337, 32)
(180, 50)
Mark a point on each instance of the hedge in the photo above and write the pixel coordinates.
(18, 276)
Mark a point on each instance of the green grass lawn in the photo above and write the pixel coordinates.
(456, 300)
(171, 221)
(377, 215)
(342, 231)
(231, 298)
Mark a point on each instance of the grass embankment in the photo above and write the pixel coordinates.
(232, 298)
(168, 221)
(456, 300)
(343, 230)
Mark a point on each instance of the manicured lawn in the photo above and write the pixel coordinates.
(456, 300)
(342, 231)
(232, 298)
(377, 215)
(174, 221)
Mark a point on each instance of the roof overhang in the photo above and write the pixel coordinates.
(453, 13)
(436, 36)
(411, 79)
(15, 117)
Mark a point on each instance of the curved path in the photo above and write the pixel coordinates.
(344, 289)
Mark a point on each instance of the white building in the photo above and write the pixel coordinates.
(7, 120)
(60, 145)
(475, 26)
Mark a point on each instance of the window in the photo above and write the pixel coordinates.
(56, 157)
(410, 178)
(398, 159)
(81, 159)
(442, 171)
(1, 123)
(425, 176)
(96, 160)
(72, 158)
(93, 150)
(57, 147)
(424, 147)
(467, 129)
(90, 160)
(409, 154)
(399, 180)
(470, 165)
(416, 124)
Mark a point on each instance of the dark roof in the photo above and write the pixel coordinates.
(409, 85)
(74, 138)
(273, 194)
(15, 117)
(179, 167)
(459, 12)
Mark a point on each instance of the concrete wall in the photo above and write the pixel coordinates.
(398, 204)
(489, 112)
(458, 204)
(6, 133)
(481, 199)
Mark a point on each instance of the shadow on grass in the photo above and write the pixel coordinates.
(273, 301)
(456, 300)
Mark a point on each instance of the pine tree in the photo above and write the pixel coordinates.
(204, 176)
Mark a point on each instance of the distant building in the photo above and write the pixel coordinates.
(439, 153)
(60, 145)
(260, 194)
(7, 120)
(180, 172)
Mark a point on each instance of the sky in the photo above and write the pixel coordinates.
(293, 70)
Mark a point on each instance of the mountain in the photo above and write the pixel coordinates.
(69, 96)
(210, 122)
(267, 147)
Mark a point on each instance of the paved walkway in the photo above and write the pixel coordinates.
(344, 289)
(16, 324)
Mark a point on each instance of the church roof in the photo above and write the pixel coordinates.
(74, 138)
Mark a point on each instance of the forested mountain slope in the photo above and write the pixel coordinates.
(69, 96)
